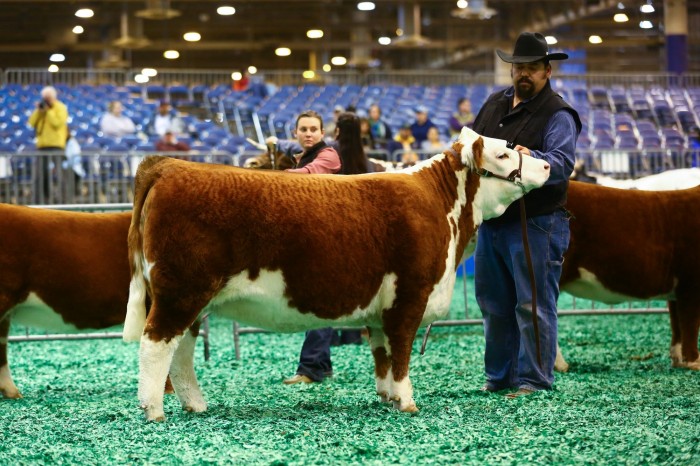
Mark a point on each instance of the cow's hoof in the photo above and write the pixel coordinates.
(195, 407)
(11, 393)
(677, 363)
(694, 366)
(384, 397)
(561, 367)
(153, 414)
(408, 408)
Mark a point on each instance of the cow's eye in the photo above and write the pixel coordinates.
(502, 156)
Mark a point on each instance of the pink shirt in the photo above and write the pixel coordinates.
(326, 162)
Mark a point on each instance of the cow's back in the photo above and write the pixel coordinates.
(76, 263)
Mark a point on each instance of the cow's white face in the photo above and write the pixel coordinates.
(494, 194)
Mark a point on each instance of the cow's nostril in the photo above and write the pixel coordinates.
(546, 166)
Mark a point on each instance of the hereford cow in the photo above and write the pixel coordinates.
(379, 250)
(60, 271)
(630, 245)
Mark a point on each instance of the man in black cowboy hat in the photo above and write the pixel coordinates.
(539, 124)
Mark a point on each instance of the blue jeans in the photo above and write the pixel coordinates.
(315, 357)
(504, 295)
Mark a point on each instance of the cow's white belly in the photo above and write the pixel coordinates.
(262, 303)
(589, 287)
(35, 313)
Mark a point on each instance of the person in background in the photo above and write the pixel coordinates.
(435, 143)
(50, 122)
(241, 85)
(165, 120)
(330, 126)
(366, 137)
(406, 143)
(463, 117)
(114, 124)
(420, 127)
(350, 159)
(542, 125)
(381, 131)
(170, 143)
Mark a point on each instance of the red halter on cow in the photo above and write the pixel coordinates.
(379, 250)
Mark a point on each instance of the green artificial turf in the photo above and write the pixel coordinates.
(621, 403)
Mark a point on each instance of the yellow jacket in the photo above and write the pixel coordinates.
(51, 126)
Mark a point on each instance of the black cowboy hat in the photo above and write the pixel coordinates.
(530, 47)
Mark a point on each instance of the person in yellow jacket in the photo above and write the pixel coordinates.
(50, 121)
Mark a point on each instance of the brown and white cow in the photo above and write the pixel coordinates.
(60, 271)
(630, 245)
(379, 250)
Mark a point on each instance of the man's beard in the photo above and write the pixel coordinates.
(525, 89)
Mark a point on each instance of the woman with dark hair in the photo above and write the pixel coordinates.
(315, 358)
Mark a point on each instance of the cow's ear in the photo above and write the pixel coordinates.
(478, 152)
(468, 136)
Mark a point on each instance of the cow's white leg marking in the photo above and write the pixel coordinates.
(676, 355)
(183, 376)
(378, 340)
(560, 364)
(7, 385)
(136, 307)
(402, 395)
(154, 362)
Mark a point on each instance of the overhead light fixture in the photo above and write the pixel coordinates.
(252, 69)
(85, 13)
(150, 72)
(308, 74)
(236, 76)
(78, 30)
(140, 78)
(57, 57)
(595, 39)
(53, 68)
(647, 8)
(620, 18)
(399, 32)
(551, 40)
(326, 67)
(620, 6)
(283, 52)
(645, 25)
(462, 4)
(171, 54)
(384, 40)
(226, 10)
(339, 61)
(192, 36)
(365, 6)
(314, 33)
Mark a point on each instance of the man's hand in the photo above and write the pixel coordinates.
(522, 149)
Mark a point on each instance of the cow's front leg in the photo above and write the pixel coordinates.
(688, 315)
(183, 376)
(7, 385)
(382, 364)
(400, 342)
(155, 357)
(560, 364)
(675, 352)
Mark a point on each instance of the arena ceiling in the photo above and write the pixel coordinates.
(125, 33)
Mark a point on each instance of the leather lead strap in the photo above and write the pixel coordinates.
(533, 284)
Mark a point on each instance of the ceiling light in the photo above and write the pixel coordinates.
(192, 36)
(53, 68)
(283, 52)
(595, 39)
(384, 40)
(150, 72)
(339, 61)
(620, 6)
(236, 76)
(462, 4)
(226, 10)
(551, 40)
(308, 74)
(78, 30)
(399, 32)
(326, 67)
(365, 6)
(648, 8)
(140, 78)
(620, 18)
(645, 25)
(252, 69)
(57, 57)
(314, 33)
(85, 13)
(171, 54)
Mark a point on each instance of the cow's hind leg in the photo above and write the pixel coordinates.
(382, 364)
(7, 385)
(155, 357)
(688, 315)
(400, 338)
(675, 352)
(183, 376)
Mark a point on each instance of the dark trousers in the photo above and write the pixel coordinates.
(315, 357)
(43, 173)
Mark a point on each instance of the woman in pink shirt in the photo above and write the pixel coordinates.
(318, 157)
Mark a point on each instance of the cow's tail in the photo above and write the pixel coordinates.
(135, 321)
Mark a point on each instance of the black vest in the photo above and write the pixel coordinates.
(524, 125)
(311, 154)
